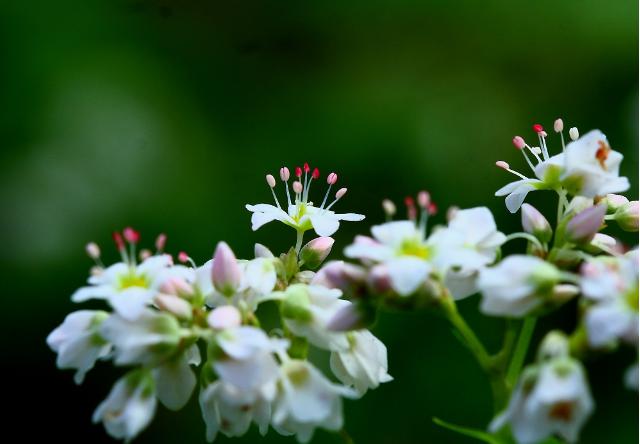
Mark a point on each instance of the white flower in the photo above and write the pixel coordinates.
(516, 286)
(130, 288)
(248, 362)
(229, 410)
(587, 167)
(150, 339)
(302, 214)
(307, 310)
(469, 243)
(130, 406)
(364, 364)
(553, 398)
(175, 380)
(258, 279)
(78, 342)
(402, 248)
(306, 399)
(612, 283)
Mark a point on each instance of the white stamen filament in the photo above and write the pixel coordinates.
(273, 193)
(286, 187)
(562, 140)
(326, 195)
(532, 150)
(528, 161)
(543, 145)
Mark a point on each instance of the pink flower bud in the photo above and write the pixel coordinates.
(379, 279)
(226, 316)
(177, 286)
(627, 216)
(316, 251)
(535, 223)
(225, 272)
(615, 201)
(584, 225)
(92, 249)
(558, 125)
(174, 305)
(339, 274)
(284, 174)
(519, 142)
(347, 318)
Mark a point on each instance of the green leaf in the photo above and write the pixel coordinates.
(480, 435)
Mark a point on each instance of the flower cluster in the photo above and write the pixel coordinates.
(169, 320)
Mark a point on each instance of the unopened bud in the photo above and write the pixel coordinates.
(223, 317)
(92, 249)
(316, 251)
(558, 125)
(174, 305)
(535, 223)
(564, 292)
(573, 133)
(554, 345)
(347, 318)
(339, 274)
(614, 201)
(584, 225)
(262, 251)
(379, 279)
(225, 272)
(627, 216)
(177, 286)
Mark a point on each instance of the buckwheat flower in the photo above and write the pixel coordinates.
(298, 211)
(130, 406)
(516, 286)
(551, 399)
(306, 399)
(247, 360)
(612, 283)
(175, 379)
(78, 342)
(307, 311)
(364, 364)
(128, 287)
(230, 411)
(402, 247)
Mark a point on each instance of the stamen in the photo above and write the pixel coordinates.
(411, 208)
(298, 172)
(185, 259)
(120, 245)
(518, 142)
(93, 251)
(543, 144)
(505, 166)
(433, 209)
(145, 254)
(161, 241)
(332, 178)
(271, 181)
(389, 208)
(284, 175)
(573, 133)
(131, 235)
(297, 188)
(341, 192)
(424, 201)
(314, 175)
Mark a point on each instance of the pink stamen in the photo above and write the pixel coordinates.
(424, 199)
(183, 257)
(271, 181)
(284, 174)
(332, 178)
(502, 164)
(433, 209)
(341, 192)
(519, 142)
(297, 187)
(161, 241)
(132, 236)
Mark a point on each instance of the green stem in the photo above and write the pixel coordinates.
(299, 241)
(562, 197)
(510, 336)
(345, 436)
(520, 352)
(469, 338)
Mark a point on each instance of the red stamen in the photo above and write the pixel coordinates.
(161, 241)
(538, 128)
(307, 168)
(298, 172)
(315, 174)
(117, 238)
(433, 209)
(132, 236)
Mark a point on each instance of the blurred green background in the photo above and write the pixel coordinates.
(166, 115)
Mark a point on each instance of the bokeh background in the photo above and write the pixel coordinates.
(166, 115)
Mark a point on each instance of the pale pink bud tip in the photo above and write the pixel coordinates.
(519, 142)
(183, 257)
(284, 174)
(316, 251)
(558, 125)
(225, 272)
(226, 316)
(175, 305)
(131, 235)
(271, 181)
(502, 164)
(585, 224)
(341, 192)
(332, 178)
(297, 187)
(92, 249)
(161, 241)
(424, 199)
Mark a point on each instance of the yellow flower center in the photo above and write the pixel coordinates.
(133, 280)
(414, 247)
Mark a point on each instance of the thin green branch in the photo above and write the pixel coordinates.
(520, 352)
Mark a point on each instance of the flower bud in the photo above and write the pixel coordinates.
(339, 274)
(174, 305)
(614, 201)
(578, 204)
(584, 225)
(316, 251)
(544, 276)
(225, 272)
(627, 216)
(262, 251)
(379, 279)
(350, 317)
(226, 316)
(295, 304)
(564, 292)
(177, 286)
(554, 345)
(535, 223)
